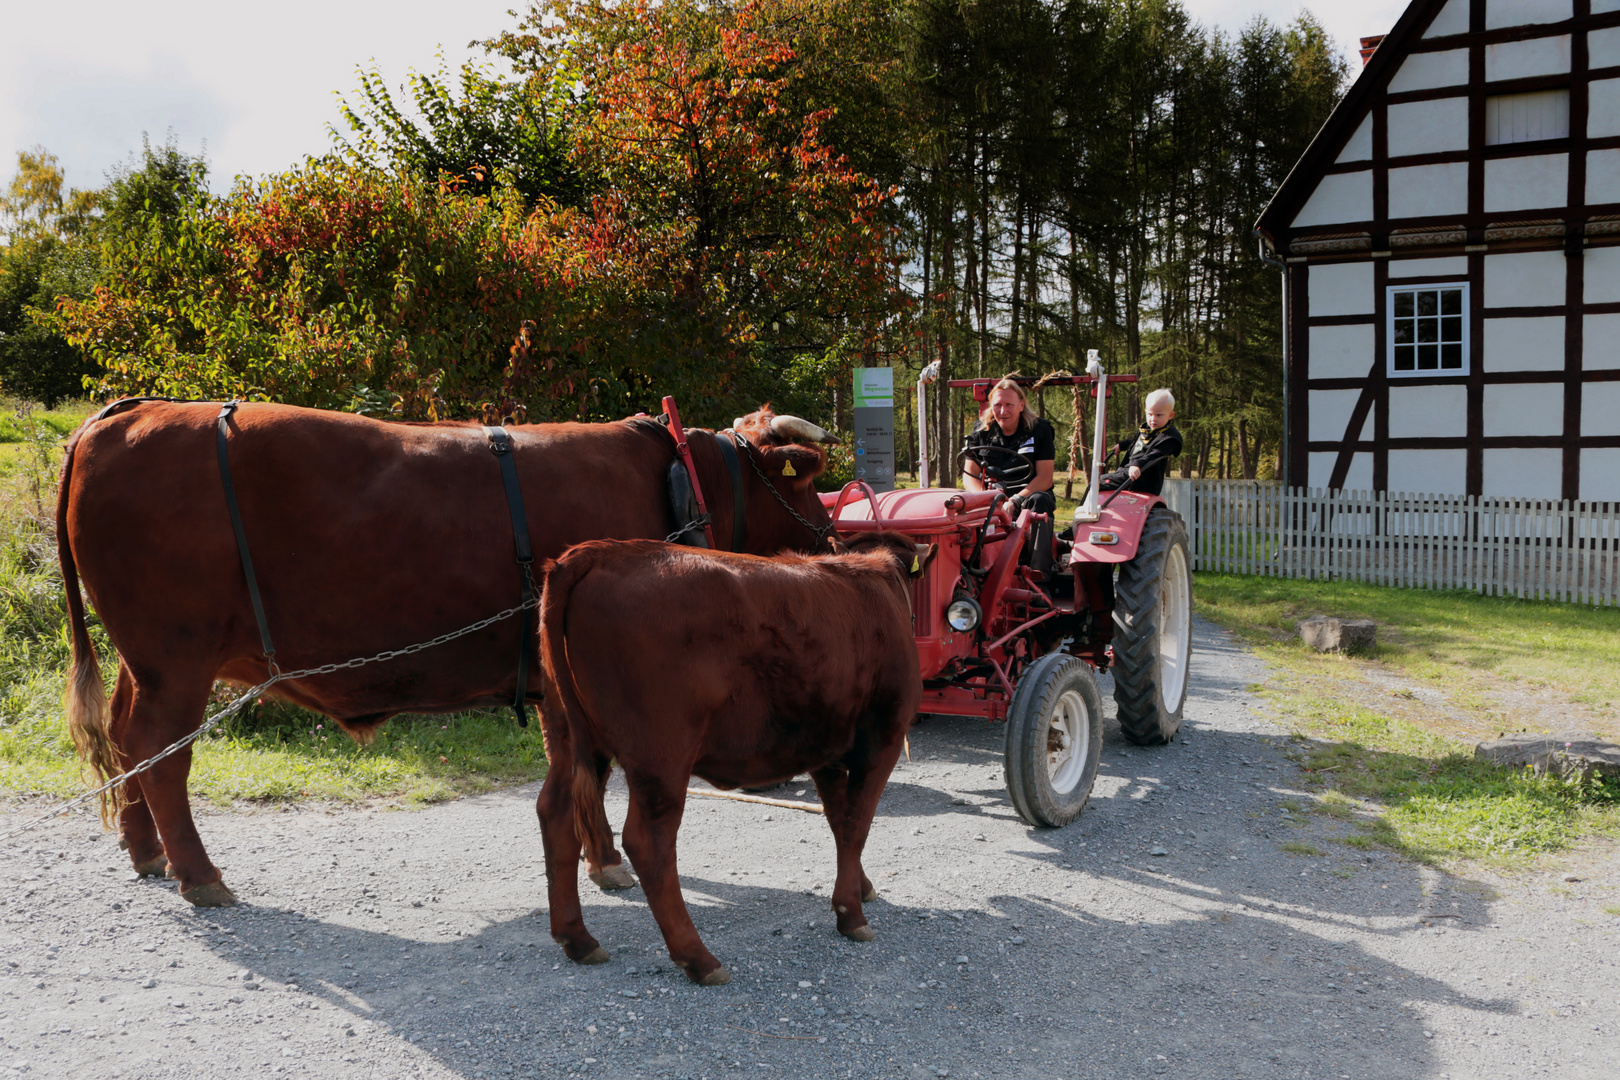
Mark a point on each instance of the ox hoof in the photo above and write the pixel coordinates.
(597, 955)
(860, 933)
(869, 895)
(155, 867)
(612, 878)
(718, 977)
(214, 894)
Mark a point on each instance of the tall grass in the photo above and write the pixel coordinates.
(270, 752)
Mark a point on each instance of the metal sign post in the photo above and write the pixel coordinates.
(874, 427)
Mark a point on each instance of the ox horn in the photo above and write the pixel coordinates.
(798, 429)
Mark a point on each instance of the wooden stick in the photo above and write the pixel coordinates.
(812, 808)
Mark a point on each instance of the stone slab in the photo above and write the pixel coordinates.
(1327, 634)
(1566, 754)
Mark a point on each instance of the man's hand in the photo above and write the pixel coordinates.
(1136, 473)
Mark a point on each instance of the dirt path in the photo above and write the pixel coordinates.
(405, 944)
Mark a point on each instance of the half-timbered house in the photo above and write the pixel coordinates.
(1451, 251)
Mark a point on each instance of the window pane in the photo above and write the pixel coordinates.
(1403, 305)
(1428, 357)
(1451, 328)
(1428, 329)
(1403, 358)
(1404, 332)
(1428, 302)
(1451, 302)
(1451, 356)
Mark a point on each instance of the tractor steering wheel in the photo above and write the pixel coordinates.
(974, 451)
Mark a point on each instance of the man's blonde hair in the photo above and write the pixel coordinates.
(1027, 418)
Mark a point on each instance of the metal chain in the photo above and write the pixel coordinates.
(696, 523)
(276, 676)
(747, 449)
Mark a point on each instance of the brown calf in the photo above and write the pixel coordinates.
(742, 670)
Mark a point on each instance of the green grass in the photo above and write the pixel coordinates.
(1406, 783)
(276, 752)
(1295, 847)
(1437, 635)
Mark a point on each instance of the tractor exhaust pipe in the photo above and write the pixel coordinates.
(929, 374)
(1088, 511)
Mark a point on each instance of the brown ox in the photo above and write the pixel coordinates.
(365, 536)
(741, 670)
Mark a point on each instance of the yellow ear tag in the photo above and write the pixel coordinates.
(914, 566)
(788, 470)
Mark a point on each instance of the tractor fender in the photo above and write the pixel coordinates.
(1125, 517)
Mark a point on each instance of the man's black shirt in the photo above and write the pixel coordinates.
(1149, 451)
(1004, 470)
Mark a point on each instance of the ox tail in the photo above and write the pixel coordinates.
(589, 818)
(85, 700)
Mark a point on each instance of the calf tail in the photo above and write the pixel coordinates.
(561, 577)
(85, 699)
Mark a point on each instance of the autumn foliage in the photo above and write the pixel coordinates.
(719, 235)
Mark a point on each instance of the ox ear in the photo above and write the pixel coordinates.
(921, 556)
(838, 546)
(797, 464)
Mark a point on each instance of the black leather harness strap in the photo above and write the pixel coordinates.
(739, 516)
(222, 442)
(500, 444)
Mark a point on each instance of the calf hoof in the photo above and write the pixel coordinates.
(718, 977)
(157, 866)
(597, 955)
(869, 895)
(612, 878)
(860, 933)
(214, 894)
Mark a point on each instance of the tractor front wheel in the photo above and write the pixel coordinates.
(1054, 740)
(1153, 632)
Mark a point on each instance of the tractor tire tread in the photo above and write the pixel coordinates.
(1136, 634)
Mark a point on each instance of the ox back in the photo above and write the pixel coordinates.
(366, 535)
(738, 669)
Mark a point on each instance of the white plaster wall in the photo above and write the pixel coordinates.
(1427, 190)
(1426, 71)
(1524, 279)
(1600, 408)
(1601, 6)
(1603, 109)
(1526, 183)
(1600, 467)
(1603, 46)
(1523, 409)
(1428, 127)
(1428, 472)
(1453, 19)
(1600, 342)
(1330, 413)
(1341, 352)
(1358, 478)
(1433, 411)
(1602, 176)
(1602, 275)
(1527, 59)
(1524, 12)
(1338, 198)
(1342, 289)
(1531, 473)
(1454, 266)
(1359, 148)
(1524, 344)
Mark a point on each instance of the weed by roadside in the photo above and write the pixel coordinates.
(276, 752)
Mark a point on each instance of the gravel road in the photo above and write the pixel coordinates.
(409, 944)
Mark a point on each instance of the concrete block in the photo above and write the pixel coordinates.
(1567, 754)
(1326, 634)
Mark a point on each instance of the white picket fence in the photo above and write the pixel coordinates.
(1531, 548)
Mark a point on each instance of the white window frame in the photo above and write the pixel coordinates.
(1390, 343)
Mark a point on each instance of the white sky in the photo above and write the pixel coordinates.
(258, 84)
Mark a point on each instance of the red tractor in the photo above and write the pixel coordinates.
(1011, 627)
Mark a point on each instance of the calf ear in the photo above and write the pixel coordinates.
(838, 546)
(921, 556)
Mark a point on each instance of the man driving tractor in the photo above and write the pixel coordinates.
(1007, 424)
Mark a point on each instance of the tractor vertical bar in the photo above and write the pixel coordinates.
(928, 375)
(1088, 511)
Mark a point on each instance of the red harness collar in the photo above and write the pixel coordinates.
(678, 433)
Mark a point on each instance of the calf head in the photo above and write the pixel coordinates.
(913, 558)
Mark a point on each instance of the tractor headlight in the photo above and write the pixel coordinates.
(963, 614)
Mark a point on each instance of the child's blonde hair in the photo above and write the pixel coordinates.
(1161, 394)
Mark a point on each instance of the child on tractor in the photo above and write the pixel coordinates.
(1148, 452)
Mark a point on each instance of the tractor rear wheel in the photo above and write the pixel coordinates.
(1054, 740)
(1153, 632)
